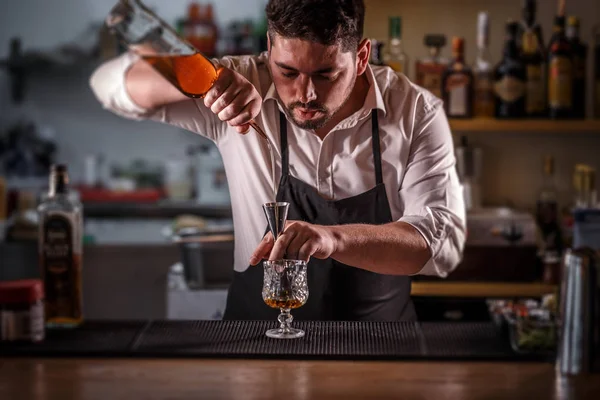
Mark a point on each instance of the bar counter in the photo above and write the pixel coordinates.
(125, 379)
(234, 359)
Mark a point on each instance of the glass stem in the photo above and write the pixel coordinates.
(285, 319)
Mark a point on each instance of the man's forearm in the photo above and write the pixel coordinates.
(396, 248)
(148, 89)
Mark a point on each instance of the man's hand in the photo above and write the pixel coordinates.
(233, 99)
(299, 241)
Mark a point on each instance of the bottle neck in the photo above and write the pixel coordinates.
(59, 185)
(572, 32)
(458, 56)
(511, 50)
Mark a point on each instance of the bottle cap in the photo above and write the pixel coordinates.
(21, 291)
(458, 44)
(573, 21)
(396, 27)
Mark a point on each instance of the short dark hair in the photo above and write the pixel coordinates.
(322, 21)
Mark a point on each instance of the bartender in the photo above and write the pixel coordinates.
(364, 157)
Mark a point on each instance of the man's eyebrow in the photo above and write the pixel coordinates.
(319, 71)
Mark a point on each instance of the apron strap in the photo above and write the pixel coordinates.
(285, 160)
(376, 147)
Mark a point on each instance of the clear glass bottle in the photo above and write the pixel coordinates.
(60, 251)
(396, 58)
(483, 70)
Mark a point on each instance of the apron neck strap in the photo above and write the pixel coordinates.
(376, 147)
(285, 160)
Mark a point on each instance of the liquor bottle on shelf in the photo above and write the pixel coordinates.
(533, 52)
(376, 52)
(457, 83)
(596, 86)
(510, 77)
(396, 58)
(579, 57)
(60, 251)
(560, 71)
(429, 70)
(547, 210)
(483, 70)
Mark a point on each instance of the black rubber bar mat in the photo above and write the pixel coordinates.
(246, 339)
(91, 338)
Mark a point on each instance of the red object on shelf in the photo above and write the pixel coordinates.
(88, 194)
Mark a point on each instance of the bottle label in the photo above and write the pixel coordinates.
(484, 95)
(429, 76)
(509, 89)
(396, 66)
(529, 42)
(536, 96)
(560, 83)
(60, 268)
(457, 88)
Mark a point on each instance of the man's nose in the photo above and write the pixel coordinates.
(306, 90)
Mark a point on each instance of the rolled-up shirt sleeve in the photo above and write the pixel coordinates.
(431, 193)
(108, 84)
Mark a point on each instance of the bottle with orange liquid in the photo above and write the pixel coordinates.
(176, 59)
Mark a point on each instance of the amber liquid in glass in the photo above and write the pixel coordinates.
(284, 304)
(192, 74)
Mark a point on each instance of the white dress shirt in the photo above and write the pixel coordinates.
(416, 147)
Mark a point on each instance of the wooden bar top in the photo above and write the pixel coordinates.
(126, 379)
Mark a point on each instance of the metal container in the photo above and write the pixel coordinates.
(579, 317)
(206, 255)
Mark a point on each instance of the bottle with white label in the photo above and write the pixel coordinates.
(458, 83)
(510, 78)
(60, 251)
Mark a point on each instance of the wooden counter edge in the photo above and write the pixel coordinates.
(481, 289)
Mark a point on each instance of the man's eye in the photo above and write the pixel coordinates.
(289, 74)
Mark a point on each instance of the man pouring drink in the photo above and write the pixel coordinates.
(363, 156)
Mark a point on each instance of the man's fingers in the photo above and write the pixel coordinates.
(293, 249)
(219, 87)
(281, 245)
(307, 250)
(230, 94)
(263, 249)
(243, 129)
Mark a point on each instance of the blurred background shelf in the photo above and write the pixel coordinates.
(525, 125)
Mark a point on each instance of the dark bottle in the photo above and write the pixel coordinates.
(376, 52)
(579, 57)
(60, 251)
(531, 43)
(560, 73)
(597, 72)
(510, 77)
(547, 210)
(457, 84)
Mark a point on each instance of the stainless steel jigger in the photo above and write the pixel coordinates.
(276, 214)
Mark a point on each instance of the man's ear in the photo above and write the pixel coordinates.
(363, 54)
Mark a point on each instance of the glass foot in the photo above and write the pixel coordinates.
(290, 333)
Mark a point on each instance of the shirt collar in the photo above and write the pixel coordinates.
(373, 100)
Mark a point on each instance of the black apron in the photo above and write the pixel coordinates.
(336, 291)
